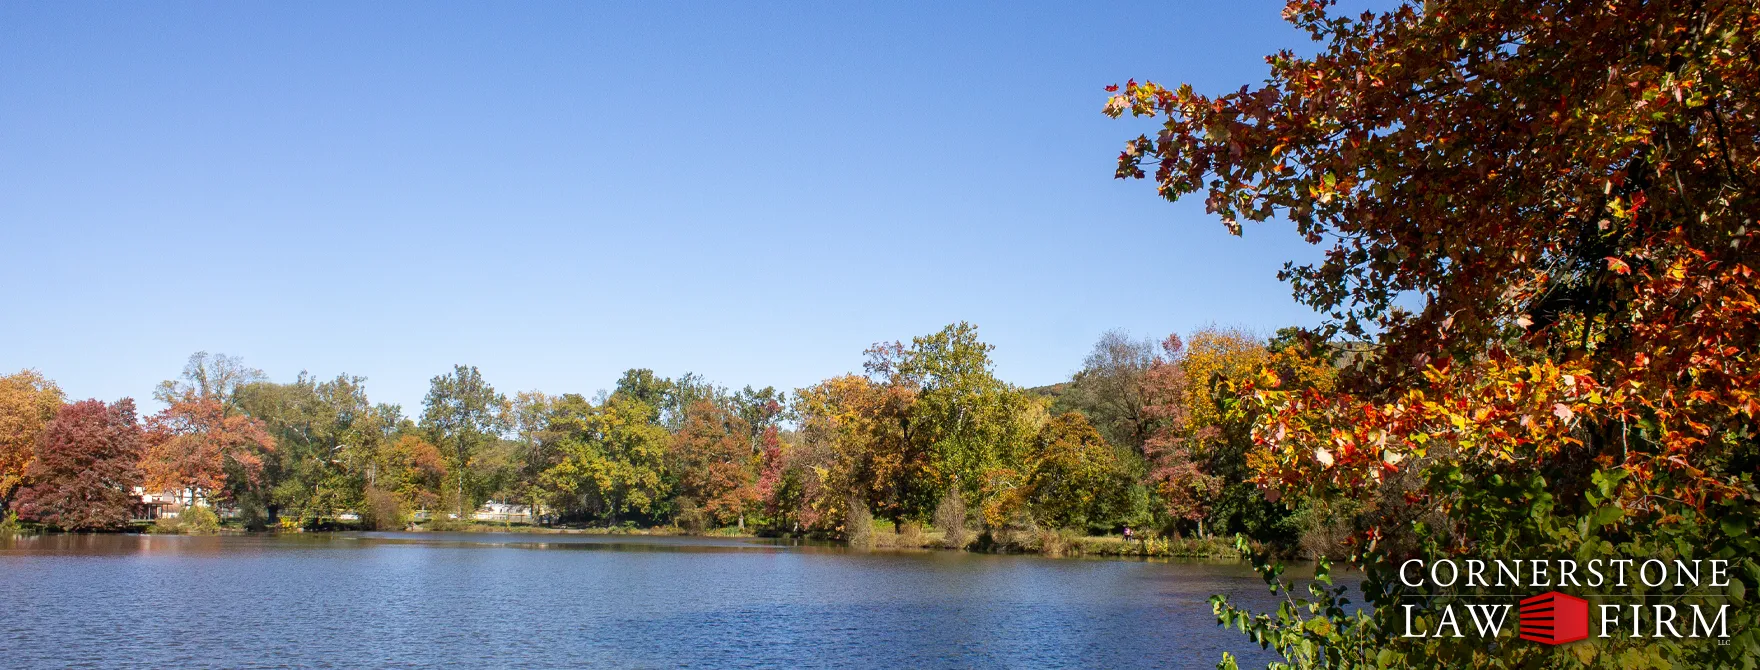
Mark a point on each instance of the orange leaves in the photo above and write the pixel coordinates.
(1497, 410)
(191, 443)
(28, 402)
(712, 459)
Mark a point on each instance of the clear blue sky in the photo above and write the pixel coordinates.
(558, 192)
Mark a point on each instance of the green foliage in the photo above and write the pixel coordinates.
(1076, 480)
(1320, 630)
(331, 442)
(1511, 517)
(193, 520)
(199, 520)
(612, 459)
(461, 414)
(961, 415)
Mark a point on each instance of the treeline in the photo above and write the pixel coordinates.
(1148, 435)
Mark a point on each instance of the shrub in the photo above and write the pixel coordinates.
(165, 526)
(690, 518)
(197, 520)
(1056, 541)
(858, 525)
(191, 521)
(9, 525)
(383, 510)
(1325, 527)
(910, 535)
(950, 519)
(441, 524)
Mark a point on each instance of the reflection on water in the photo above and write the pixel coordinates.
(528, 600)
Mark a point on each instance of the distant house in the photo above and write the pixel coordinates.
(154, 506)
(151, 506)
(503, 512)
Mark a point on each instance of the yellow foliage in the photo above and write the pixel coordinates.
(28, 401)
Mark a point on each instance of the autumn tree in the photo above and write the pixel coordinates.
(1075, 479)
(1109, 388)
(85, 467)
(758, 410)
(610, 457)
(1541, 214)
(1177, 469)
(683, 393)
(414, 470)
(711, 458)
(195, 446)
(28, 402)
(784, 485)
(858, 442)
(960, 415)
(461, 414)
(202, 443)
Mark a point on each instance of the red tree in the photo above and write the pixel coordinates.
(1176, 471)
(85, 467)
(772, 469)
(714, 462)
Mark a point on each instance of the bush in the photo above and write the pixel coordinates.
(9, 525)
(383, 511)
(690, 518)
(1325, 527)
(253, 516)
(910, 534)
(1057, 542)
(1157, 547)
(197, 520)
(441, 524)
(858, 525)
(950, 519)
(191, 521)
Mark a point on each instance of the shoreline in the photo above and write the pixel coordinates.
(1051, 544)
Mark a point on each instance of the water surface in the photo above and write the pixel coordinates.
(519, 600)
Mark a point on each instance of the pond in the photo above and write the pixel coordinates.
(528, 600)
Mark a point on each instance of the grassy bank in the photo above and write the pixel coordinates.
(885, 535)
(491, 527)
(1050, 543)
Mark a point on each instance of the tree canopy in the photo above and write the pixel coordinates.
(1540, 215)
